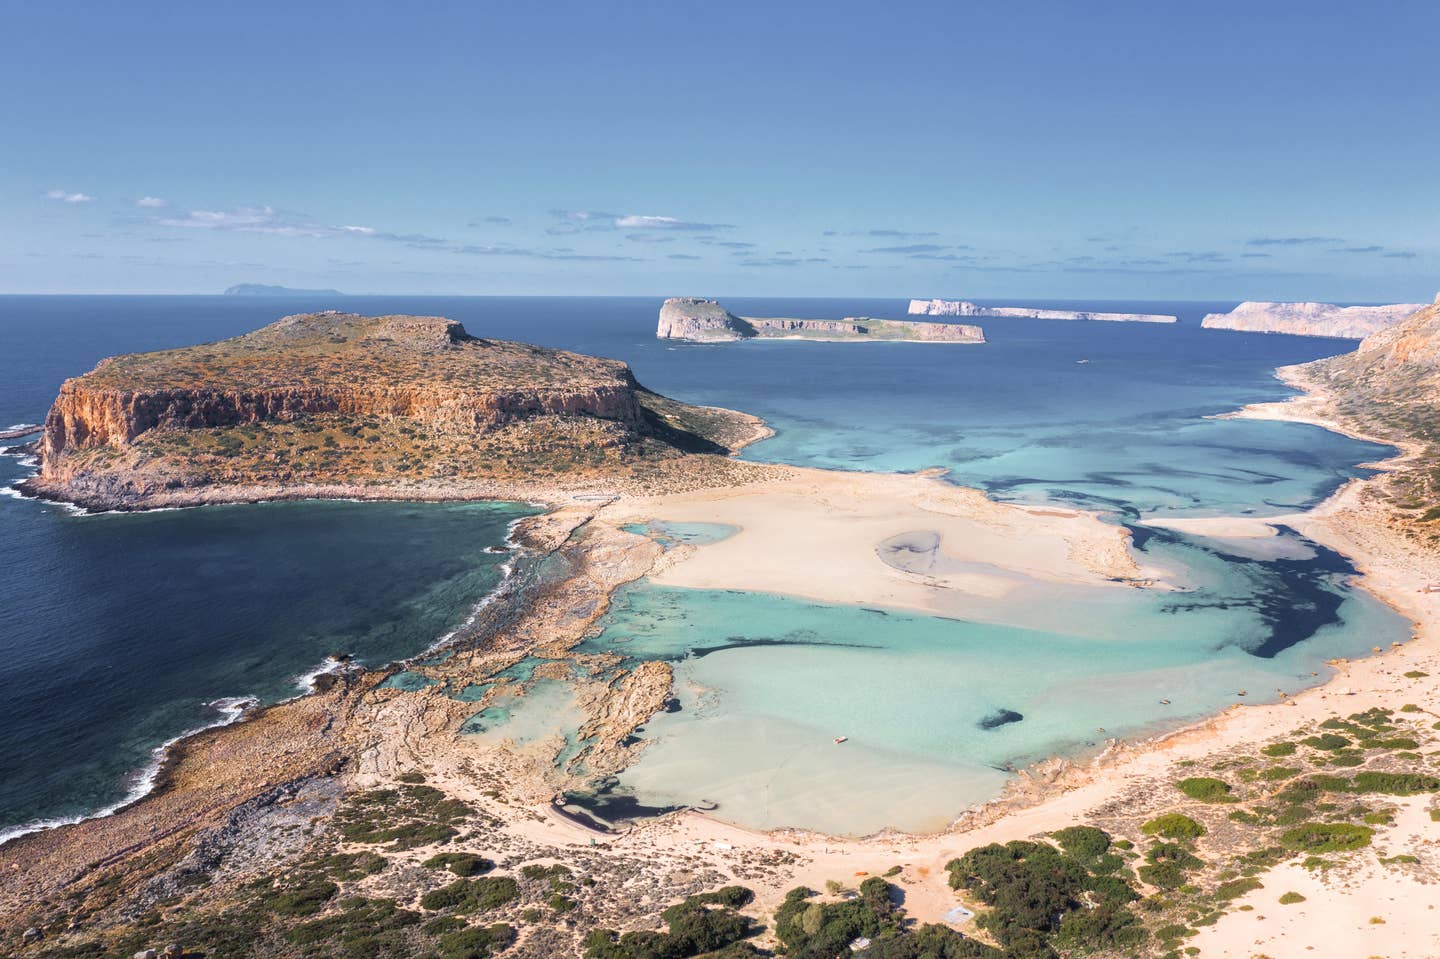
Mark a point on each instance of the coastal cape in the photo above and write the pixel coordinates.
(1310, 319)
(706, 321)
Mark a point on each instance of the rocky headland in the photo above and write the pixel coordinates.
(1310, 319)
(388, 406)
(706, 321)
(966, 308)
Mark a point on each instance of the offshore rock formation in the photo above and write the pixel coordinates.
(689, 318)
(337, 398)
(706, 321)
(966, 308)
(1310, 319)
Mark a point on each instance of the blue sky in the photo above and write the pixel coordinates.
(1140, 150)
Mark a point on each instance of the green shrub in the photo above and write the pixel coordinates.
(442, 924)
(1279, 749)
(695, 927)
(460, 863)
(1205, 789)
(1086, 842)
(1167, 865)
(1291, 898)
(1326, 742)
(349, 866)
(1395, 784)
(1393, 742)
(366, 927)
(1318, 837)
(305, 899)
(1275, 773)
(1236, 888)
(1173, 826)
(471, 895)
(476, 942)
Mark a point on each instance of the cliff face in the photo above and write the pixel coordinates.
(966, 308)
(1400, 363)
(1310, 319)
(687, 318)
(691, 318)
(83, 418)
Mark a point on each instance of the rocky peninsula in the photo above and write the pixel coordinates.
(382, 407)
(966, 308)
(706, 321)
(1310, 319)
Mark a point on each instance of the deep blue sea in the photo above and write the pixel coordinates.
(122, 631)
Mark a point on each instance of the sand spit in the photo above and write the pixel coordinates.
(832, 536)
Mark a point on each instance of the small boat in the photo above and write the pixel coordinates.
(840, 739)
(1164, 702)
(1082, 362)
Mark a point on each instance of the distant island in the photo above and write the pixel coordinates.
(966, 308)
(706, 321)
(400, 407)
(1311, 319)
(264, 289)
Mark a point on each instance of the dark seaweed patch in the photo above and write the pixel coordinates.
(1000, 717)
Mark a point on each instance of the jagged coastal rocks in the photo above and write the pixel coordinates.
(706, 321)
(966, 308)
(341, 404)
(1310, 319)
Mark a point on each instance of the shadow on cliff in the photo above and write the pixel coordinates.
(691, 429)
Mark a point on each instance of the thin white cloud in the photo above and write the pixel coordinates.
(633, 222)
(260, 219)
(153, 202)
(65, 197)
(576, 220)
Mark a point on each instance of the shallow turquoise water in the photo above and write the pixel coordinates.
(766, 682)
(671, 534)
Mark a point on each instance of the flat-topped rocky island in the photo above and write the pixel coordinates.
(706, 321)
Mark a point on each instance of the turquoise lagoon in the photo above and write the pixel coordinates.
(764, 683)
